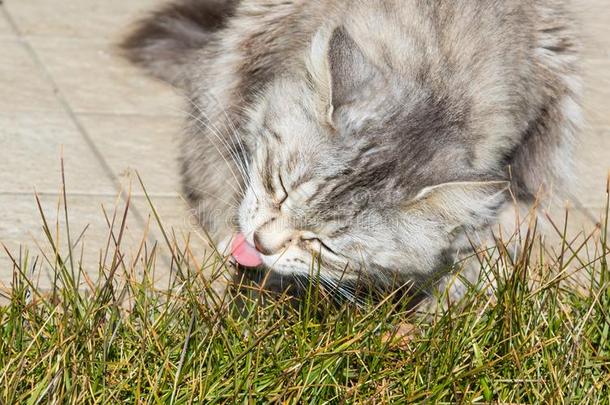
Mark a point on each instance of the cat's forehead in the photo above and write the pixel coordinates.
(291, 127)
(291, 110)
(297, 134)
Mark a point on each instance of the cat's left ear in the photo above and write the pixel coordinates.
(341, 71)
(458, 204)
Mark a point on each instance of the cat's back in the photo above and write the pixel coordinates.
(270, 36)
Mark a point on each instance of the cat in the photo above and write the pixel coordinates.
(369, 137)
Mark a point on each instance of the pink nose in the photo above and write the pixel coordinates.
(244, 253)
(271, 239)
(259, 245)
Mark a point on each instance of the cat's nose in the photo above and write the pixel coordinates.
(271, 243)
(258, 244)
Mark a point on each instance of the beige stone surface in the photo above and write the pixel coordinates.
(596, 75)
(134, 143)
(31, 147)
(593, 17)
(592, 154)
(94, 79)
(5, 28)
(593, 168)
(76, 18)
(63, 86)
(22, 86)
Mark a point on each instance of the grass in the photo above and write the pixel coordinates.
(121, 339)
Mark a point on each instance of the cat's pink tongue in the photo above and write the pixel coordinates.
(244, 253)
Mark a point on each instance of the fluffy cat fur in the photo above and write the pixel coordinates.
(375, 133)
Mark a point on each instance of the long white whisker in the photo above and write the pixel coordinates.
(218, 135)
(204, 120)
(231, 149)
(199, 121)
(233, 204)
(235, 133)
(333, 287)
(300, 282)
(245, 163)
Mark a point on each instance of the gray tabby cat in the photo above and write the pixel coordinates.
(375, 134)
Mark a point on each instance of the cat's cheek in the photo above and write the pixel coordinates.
(288, 263)
(247, 214)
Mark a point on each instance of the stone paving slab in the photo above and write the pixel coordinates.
(77, 18)
(36, 141)
(596, 74)
(593, 163)
(147, 145)
(592, 154)
(593, 17)
(94, 79)
(5, 28)
(22, 85)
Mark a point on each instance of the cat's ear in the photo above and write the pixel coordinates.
(340, 69)
(453, 205)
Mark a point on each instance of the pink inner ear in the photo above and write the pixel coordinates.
(244, 253)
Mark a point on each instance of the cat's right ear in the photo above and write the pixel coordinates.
(340, 70)
(451, 205)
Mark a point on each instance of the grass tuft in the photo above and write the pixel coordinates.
(114, 336)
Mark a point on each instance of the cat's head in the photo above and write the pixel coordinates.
(358, 171)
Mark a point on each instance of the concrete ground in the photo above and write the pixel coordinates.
(65, 92)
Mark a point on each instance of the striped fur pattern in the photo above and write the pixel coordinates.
(370, 136)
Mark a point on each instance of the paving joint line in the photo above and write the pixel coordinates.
(73, 116)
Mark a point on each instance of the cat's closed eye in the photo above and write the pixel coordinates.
(283, 193)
